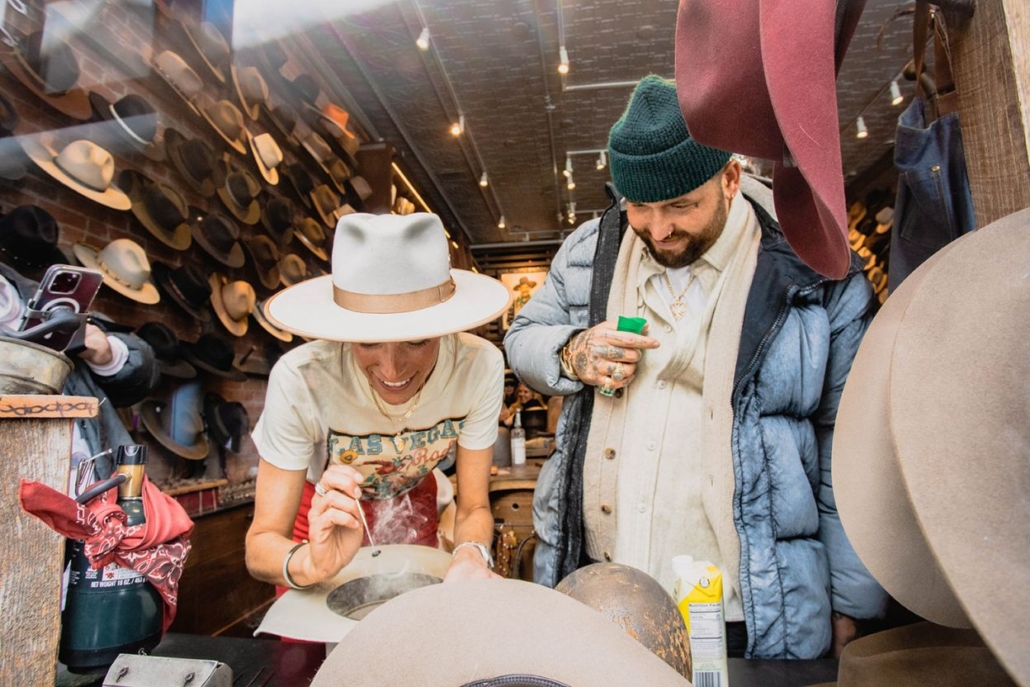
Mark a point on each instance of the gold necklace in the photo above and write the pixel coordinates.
(677, 307)
(414, 405)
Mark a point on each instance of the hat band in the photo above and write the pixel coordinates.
(80, 180)
(391, 303)
(125, 127)
(106, 269)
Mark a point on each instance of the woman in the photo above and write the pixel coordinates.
(525, 398)
(360, 417)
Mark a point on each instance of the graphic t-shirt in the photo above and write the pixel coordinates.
(319, 410)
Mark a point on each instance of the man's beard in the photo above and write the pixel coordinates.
(697, 244)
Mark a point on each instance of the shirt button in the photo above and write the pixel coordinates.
(607, 556)
(606, 509)
(609, 453)
(667, 328)
(662, 384)
(651, 446)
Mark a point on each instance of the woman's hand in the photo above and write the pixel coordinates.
(468, 564)
(334, 525)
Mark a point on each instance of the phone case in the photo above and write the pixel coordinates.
(63, 287)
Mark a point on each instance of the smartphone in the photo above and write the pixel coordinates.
(63, 287)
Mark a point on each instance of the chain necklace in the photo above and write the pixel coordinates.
(407, 414)
(678, 307)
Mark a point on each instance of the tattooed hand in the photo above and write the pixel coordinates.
(605, 357)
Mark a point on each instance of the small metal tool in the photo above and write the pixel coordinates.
(364, 523)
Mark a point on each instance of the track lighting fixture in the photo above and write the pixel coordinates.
(563, 61)
(458, 127)
(423, 39)
(483, 180)
(896, 97)
(500, 223)
(862, 131)
(571, 184)
(602, 160)
(568, 166)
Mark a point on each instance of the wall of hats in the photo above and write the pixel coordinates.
(199, 180)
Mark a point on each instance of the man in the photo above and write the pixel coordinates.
(710, 434)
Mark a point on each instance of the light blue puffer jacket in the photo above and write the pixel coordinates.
(799, 337)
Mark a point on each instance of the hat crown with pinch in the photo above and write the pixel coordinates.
(125, 260)
(88, 163)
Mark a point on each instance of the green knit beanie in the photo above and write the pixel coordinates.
(652, 156)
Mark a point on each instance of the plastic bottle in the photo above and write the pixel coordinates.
(518, 441)
(114, 610)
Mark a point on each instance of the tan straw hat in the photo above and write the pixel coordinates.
(81, 165)
(125, 267)
(233, 302)
(391, 281)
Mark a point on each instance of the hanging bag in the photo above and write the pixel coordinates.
(934, 205)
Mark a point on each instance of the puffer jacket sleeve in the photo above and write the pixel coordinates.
(137, 378)
(854, 590)
(553, 315)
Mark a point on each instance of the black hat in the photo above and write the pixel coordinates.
(214, 353)
(167, 350)
(196, 162)
(134, 122)
(239, 195)
(185, 285)
(264, 256)
(306, 88)
(277, 219)
(301, 182)
(285, 120)
(218, 236)
(28, 239)
(227, 422)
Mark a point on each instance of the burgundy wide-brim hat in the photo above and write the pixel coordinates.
(759, 104)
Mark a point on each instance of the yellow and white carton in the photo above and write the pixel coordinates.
(699, 595)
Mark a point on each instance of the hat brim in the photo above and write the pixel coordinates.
(146, 294)
(154, 150)
(306, 614)
(262, 319)
(317, 251)
(179, 369)
(279, 238)
(215, 70)
(74, 103)
(235, 327)
(237, 144)
(249, 215)
(149, 414)
(44, 157)
(958, 408)
(308, 309)
(234, 374)
(252, 110)
(234, 258)
(154, 67)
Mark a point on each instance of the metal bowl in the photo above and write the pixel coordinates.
(28, 368)
(361, 596)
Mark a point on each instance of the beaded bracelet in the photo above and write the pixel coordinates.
(286, 568)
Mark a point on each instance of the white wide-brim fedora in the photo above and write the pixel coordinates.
(390, 282)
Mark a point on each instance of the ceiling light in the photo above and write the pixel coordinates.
(423, 39)
(483, 181)
(563, 60)
(896, 97)
(458, 128)
(500, 223)
(862, 132)
(602, 160)
(568, 166)
(571, 185)
(455, 244)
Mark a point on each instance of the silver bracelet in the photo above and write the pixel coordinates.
(482, 548)
(286, 568)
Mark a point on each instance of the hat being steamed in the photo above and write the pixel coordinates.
(391, 281)
(651, 153)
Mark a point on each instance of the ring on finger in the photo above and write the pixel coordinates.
(618, 372)
(607, 387)
(320, 490)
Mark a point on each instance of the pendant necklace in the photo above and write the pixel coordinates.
(678, 307)
(407, 414)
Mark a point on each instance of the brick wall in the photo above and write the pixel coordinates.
(119, 32)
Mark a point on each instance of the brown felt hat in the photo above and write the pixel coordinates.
(251, 89)
(50, 70)
(940, 475)
(227, 121)
(485, 630)
(919, 654)
(239, 194)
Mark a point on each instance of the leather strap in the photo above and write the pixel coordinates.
(388, 304)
